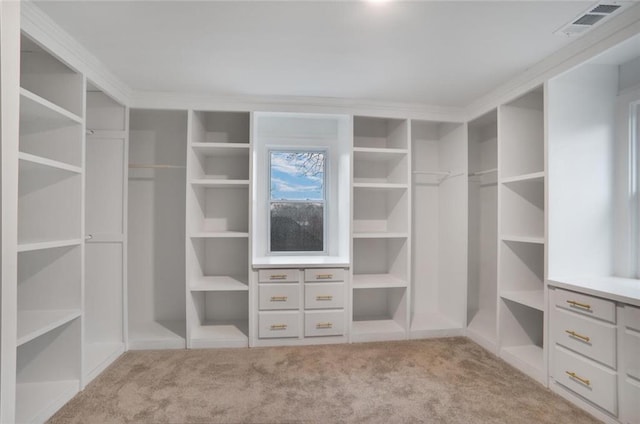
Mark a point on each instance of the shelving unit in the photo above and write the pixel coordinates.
(156, 205)
(522, 229)
(381, 229)
(482, 272)
(218, 244)
(439, 238)
(50, 233)
(106, 229)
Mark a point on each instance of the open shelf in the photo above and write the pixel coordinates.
(434, 324)
(160, 334)
(30, 247)
(214, 162)
(221, 149)
(380, 166)
(219, 283)
(522, 239)
(220, 319)
(523, 208)
(218, 257)
(33, 163)
(220, 127)
(381, 186)
(380, 235)
(36, 402)
(379, 314)
(522, 274)
(220, 234)
(378, 154)
(219, 212)
(376, 329)
(531, 298)
(232, 333)
(535, 177)
(380, 258)
(33, 324)
(218, 183)
(380, 133)
(372, 281)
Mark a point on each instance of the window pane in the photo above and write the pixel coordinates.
(297, 227)
(297, 175)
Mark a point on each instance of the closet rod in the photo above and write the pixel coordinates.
(154, 166)
(488, 171)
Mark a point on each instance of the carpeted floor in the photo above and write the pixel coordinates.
(425, 381)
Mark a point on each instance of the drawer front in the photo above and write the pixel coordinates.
(631, 317)
(279, 296)
(630, 402)
(594, 339)
(323, 323)
(593, 382)
(585, 304)
(324, 274)
(278, 324)
(278, 276)
(323, 295)
(630, 348)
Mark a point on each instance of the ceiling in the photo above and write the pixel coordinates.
(445, 53)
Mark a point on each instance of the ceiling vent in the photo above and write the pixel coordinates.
(595, 15)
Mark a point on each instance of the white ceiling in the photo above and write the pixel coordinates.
(445, 53)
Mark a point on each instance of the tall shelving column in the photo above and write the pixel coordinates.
(50, 234)
(217, 232)
(482, 293)
(439, 228)
(381, 229)
(522, 229)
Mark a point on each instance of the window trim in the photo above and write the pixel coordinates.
(634, 185)
(325, 194)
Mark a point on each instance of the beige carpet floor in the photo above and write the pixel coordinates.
(425, 381)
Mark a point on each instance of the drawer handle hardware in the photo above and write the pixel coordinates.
(578, 336)
(324, 297)
(324, 325)
(324, 276)
(579, 305)
(279, 327)
(278, 298)
(277, 277)
(573, 375)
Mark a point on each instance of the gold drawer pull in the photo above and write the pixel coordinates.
(324, 276)
(577, 377)
(278, 298)
(324, 325)
(578, 336)
(278, 277)
(279, 327)
(579, 305)
(324, 297)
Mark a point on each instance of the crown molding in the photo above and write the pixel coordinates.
(611, 33)
(39, 26)
(170, 100)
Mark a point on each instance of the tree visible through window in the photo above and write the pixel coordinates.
(297, 200)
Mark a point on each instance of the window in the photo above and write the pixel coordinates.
(634, 153)
(297, 201)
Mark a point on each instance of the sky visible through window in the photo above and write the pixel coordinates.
(297, 175)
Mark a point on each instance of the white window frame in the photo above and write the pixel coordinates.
(634, 184)
(324, 201)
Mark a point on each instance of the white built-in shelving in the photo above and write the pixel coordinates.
(439, 228)
(381, 229)
(522, 230)
(50, 248)
(482, 278)
(156, 231)
(217, 245)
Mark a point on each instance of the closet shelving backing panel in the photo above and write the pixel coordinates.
(522, 229)
(439, 199)
(218, 233)
(482, 270)
(50, 232)
(381, 229)
(156, 254)
(105, 228)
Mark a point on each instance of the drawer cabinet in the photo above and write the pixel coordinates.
(278, 324)
(323, 323)
(328, 274)
(279, 296)
(323, 295)
(586, 305)
(278, 276)
(629, 365)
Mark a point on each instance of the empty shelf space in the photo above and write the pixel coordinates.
(537, 177)
(39, 114)
(213, 183)
(373, 281)
(36, 402)
(380, 235)
(531, 298)
(220, 234)
(380, 186)
(432, 322)
(157, 335)
(30, 247)
(379, 327)
(221, 149)
(220, 283)
(232, 333)
(33, 163)
(483, 324)
(376, 154)
(523, 239)
(32, 324)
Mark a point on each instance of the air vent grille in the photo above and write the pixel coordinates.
(606, 9)
(593, 16)
(588, 19)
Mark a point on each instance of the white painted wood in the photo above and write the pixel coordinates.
(275, 262)
(159, 334)
(279, 275)
(326, 274)
(279, 296)
(219, 283)
(324, 295)
(531, 298)
(372, 281)
(218, 334)
(39, 401)
(584, 304)
(30, 247)
(371, 330)
(528, 359)
(629, 363)
(625, 290)
(278, 324)
(323, 323)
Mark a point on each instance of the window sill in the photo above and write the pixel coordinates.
(301, 262)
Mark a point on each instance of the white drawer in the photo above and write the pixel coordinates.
(588, 379)
(323, 295)
(324, 274)
(592, 338)
(323, 323)
(279, 296)
(630, 343)
(278, 276)
(630, 402)
(278, 324)
(585, 304)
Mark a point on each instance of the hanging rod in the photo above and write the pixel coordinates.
(154, 166)
(488, 171)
